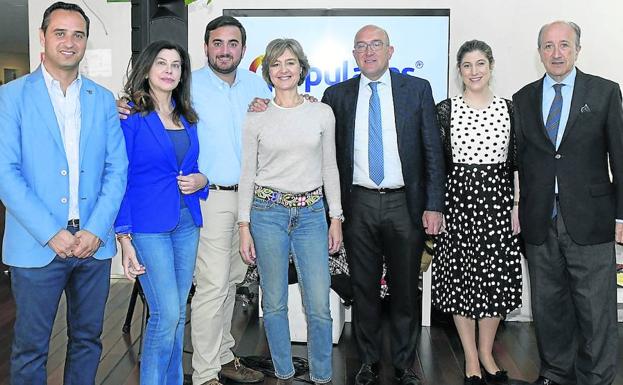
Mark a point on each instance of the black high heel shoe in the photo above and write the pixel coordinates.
(473, 380)
(499, 378)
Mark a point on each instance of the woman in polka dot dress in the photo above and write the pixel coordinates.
(477, 270)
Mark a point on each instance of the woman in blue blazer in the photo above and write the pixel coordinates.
(158, 224)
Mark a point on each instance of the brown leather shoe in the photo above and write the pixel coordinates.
(237, 372)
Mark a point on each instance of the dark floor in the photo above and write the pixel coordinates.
(439, 360)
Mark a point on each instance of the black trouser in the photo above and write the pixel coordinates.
(574, 307)
(380, 226)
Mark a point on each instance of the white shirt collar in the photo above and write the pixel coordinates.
(51, 82)
(385, 79)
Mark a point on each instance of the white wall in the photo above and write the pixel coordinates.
(509, 26)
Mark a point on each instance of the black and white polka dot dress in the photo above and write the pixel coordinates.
(476, 269)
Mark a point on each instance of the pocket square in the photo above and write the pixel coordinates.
(585, 108)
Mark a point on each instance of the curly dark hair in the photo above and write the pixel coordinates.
(137, 90)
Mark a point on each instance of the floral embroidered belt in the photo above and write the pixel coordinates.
(289, 199)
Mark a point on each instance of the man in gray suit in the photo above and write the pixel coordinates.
(569, 128)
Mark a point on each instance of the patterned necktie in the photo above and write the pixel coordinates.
(553, 118)
(375, 137)
(552, 124)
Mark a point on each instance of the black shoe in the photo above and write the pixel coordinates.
(499, 378)
(407, 377)
(368, 375)
(544, 381)
(474, 380)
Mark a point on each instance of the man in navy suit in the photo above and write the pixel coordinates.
(569, 128)
(62, 177)
(390, 158)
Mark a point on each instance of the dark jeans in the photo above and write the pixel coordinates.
(37, 292)
(378, 228)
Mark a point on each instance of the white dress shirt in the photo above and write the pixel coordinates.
(391, 159)
(67, 110)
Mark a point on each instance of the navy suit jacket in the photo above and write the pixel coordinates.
(419, 141)
(152, 200)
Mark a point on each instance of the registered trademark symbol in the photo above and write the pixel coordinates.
(419, 64)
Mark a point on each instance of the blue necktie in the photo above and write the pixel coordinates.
(375, 137)
(553, 118)
(552, 124)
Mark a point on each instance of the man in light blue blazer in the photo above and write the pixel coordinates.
(63, 169)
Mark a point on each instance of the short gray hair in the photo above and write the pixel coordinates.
(276, 48)
(576, 29)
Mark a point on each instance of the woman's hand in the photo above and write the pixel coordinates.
(247, 248)
(131, 267)
(191, 183)
(335, 235)
(515, 220)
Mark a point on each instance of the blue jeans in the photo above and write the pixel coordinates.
(37, 292)
(169, 260)
(276, 230)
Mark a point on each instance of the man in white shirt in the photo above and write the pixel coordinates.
(390, 158)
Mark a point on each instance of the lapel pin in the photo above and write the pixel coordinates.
(90, 92)
(585, 108)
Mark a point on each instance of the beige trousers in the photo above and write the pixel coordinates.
(219, 268)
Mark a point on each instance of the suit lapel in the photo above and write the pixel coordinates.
(401, 103)
(578, 99)
(87, 109)
(158, 130)
(537, 96)
(350, 98)
(40, 97)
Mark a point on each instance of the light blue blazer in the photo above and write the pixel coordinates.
(34, 183)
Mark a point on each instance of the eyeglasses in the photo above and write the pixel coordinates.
(374, 45)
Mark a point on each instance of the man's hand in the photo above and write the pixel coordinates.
(432, 220)
(190, 183)
(258, 105)
(62, 243)
(618, 232)
(123, 109)
(310, 98)
(88, 244)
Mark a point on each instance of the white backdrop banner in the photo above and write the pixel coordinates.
(419, 37)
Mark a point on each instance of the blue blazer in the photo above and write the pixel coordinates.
(34, 183)
(152, 200)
